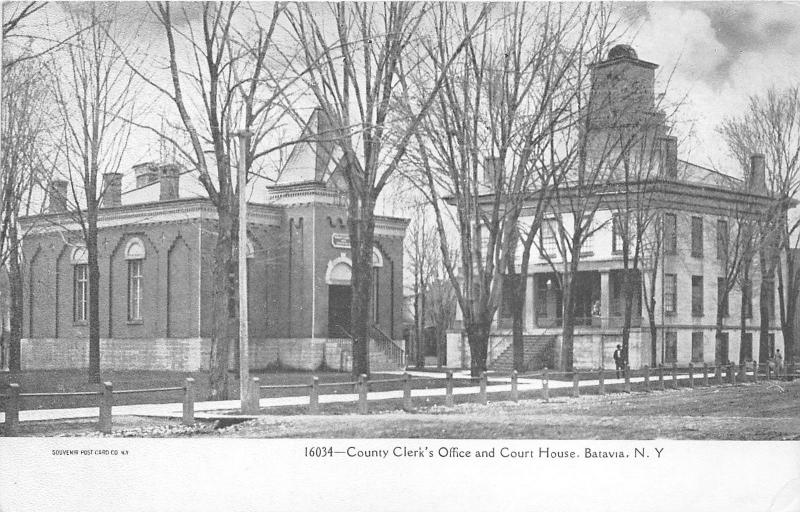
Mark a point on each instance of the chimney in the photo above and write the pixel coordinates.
(669, 157)
(146, 174)
(58, 196)
(112, 190)
(757, 181)
(169, 176)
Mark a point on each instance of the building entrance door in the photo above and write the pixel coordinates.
(339, 302)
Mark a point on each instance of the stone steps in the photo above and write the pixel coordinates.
(535, 354)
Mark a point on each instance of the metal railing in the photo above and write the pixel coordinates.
(388, 346)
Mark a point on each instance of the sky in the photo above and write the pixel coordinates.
(712, 55)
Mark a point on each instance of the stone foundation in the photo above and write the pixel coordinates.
(192, 354)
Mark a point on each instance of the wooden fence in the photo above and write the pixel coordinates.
(733, 374)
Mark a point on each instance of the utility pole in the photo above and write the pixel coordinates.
(247, 395)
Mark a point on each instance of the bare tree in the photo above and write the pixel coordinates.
(92, 92)
(356, 55)
(221, 80)
(421, 259)
(23, 113)
(493, 144)
(23, 38)
(770, 125)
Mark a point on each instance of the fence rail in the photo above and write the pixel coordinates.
(742, 372)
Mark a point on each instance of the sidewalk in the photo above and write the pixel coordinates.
(213, 410)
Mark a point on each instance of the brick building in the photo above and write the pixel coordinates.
(693, 211)
(156, 245)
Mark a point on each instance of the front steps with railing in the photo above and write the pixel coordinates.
(537, 353)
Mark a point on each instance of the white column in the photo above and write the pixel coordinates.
(605, 295)
(528, 314)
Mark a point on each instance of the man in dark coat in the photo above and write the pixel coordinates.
(619, 360)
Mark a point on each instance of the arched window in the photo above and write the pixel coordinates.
(135, 254)
(80, 284)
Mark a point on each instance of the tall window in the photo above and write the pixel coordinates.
(81, 293)
(80, 285)
(697, 347)
(747, 346)
(697, 295)
(769, 284)
(722, 297)
(747, 298)
(547, 237)
(588, 236)
(670, 233)
(670, 347)
(616, 233)
(134, 254)
(722, 240)
(541, 297)
(670, 293)
(697, 237)
(507, 303)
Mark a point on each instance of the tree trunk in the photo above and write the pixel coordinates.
(718, 336)
(223, 333)
(653, 340)
(742, 320)
(787, 303)
(478, 339)
(517, 312)
(16, 306)
(763, 304)
(362, 230)
(627, 287)
(94, 289)
(568, 329)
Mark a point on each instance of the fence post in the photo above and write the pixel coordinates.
(362, 394)
(545, 386)
(576, 384)
(646, 379)
(732, 371)
(188, 402)
(514, 386)
(253, 404)
(106, 403)
(482, 396)
(691, 375)
(743, 372)
(12, 410)
(705, 374)
(601, 382)
(718, 373)
(755, 372)
(674, 375)
(313, 396)
(407, 392)
(661, 376)
(627, 373)
(448, 396)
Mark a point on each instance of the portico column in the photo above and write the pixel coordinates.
(528, 314)
(605, 296)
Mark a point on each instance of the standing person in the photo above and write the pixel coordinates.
(778, 363)
(619, 360)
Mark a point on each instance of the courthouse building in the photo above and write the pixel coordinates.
(694, 210)
(156, 244)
